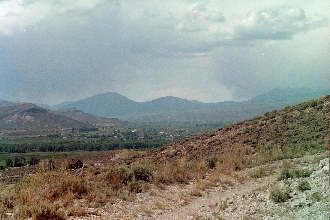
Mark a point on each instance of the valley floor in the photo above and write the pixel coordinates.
(244, 195)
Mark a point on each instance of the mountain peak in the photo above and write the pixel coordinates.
(110, 94)
(30, 108)
(169, 98)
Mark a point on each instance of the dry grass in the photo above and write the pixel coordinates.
(76, 211)
(159, 205)
(230, 161)
(145, 210)
(56, 194)
(174, 172)
(261, 172)
(52, 193)
(49, 195)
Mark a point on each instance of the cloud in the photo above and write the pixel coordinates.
(53, 51)
(200, 27)
(200, 17)
(167, 28)
(276, 24)
(19, 15)
(299, 62)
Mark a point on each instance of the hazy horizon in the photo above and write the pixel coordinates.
(65, 50)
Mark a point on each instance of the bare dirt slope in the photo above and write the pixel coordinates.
(247, 197)
(251, 200)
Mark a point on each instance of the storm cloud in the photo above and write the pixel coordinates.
(54, 51)
(276, 24)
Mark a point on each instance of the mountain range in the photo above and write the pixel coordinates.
(173, 109)
(116, 105)
(104, 109)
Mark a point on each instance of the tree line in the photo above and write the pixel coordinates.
(80, 145)
(21, 161)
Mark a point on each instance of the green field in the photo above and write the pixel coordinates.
(23, 147)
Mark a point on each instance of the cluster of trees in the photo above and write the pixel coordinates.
(79, 145)
(21, 161)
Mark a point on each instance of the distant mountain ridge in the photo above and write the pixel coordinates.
(101, 110)
(88, 118)
(115, 105)
(106, 105)
(6, 103)
(28, 116)
(175, 109)
(290, 96)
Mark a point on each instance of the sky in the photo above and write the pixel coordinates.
(207, 50)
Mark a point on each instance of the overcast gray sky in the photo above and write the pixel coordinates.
(209, 50)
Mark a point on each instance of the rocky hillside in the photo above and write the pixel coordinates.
(298, 128)
(31, 117)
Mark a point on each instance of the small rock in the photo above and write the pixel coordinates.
(324, 163)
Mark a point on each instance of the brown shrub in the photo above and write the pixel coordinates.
(199, 169)
(142, 172)
(177, 171)
(230, 161)
(75, 185)
(211, 162)
(133, 178)
(119, 175)
(41, 210)
(47, 195)
(137, 186)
